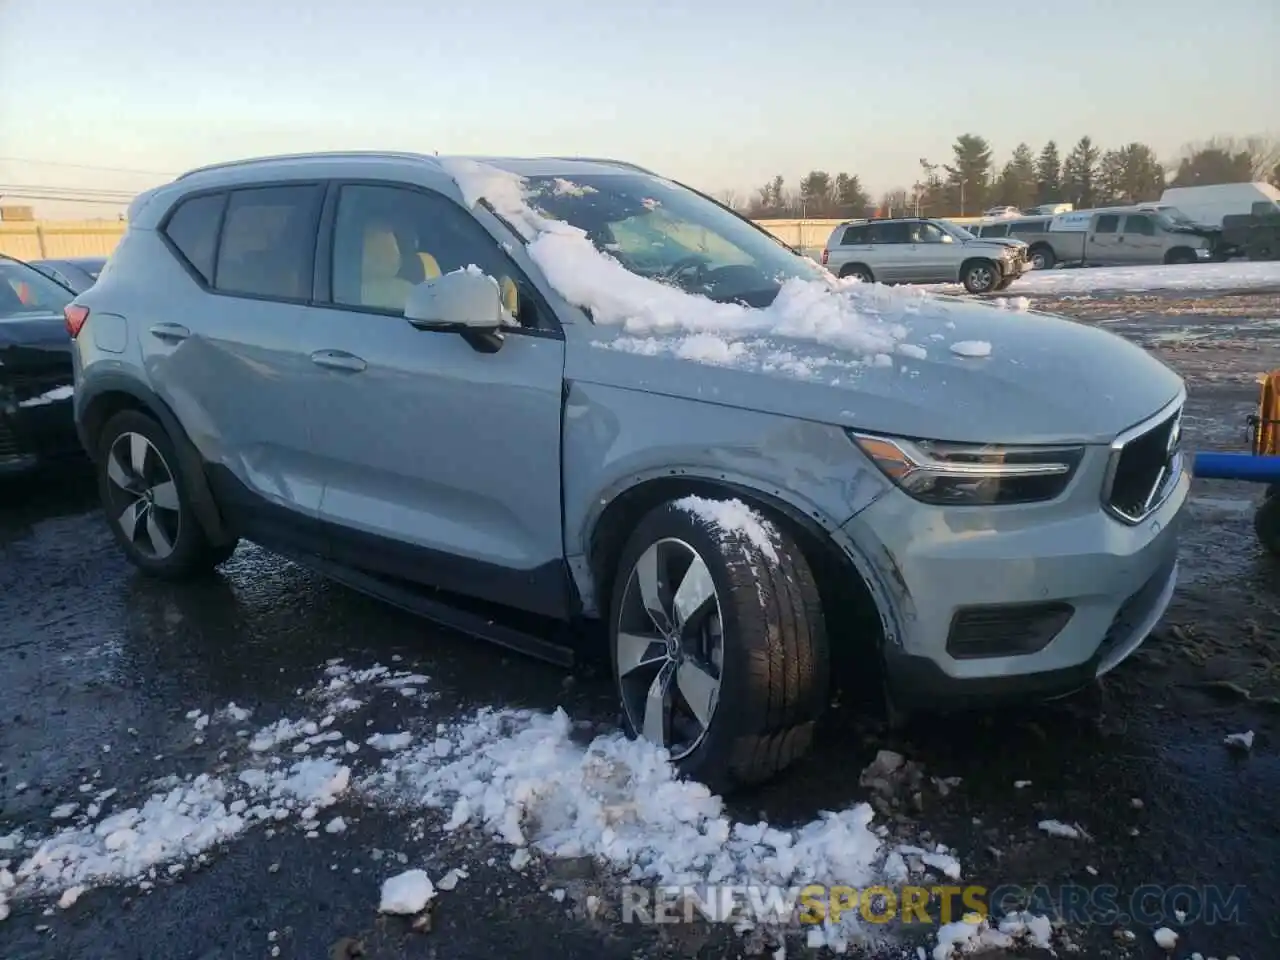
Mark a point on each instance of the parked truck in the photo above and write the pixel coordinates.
(1208, 205)
(1117, 236)
(1257, 233)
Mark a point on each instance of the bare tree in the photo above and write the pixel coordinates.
(731, 198)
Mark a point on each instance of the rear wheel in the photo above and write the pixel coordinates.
(718, 643)
(1043, 258)
(145, 499)
(859, 271)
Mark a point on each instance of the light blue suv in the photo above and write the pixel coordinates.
(582, 392)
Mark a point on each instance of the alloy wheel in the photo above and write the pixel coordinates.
(982, 277)
(143, 496)
(670, 647)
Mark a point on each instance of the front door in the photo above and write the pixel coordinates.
(936, 260)
(1143, 243)
(442, 462)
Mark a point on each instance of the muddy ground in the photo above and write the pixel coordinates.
(94, 657)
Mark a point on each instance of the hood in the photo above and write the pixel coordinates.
(1046, 380)
(996, 242)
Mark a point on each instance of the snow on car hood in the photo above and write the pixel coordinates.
(890, 359)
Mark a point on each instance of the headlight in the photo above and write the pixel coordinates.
(970, 474)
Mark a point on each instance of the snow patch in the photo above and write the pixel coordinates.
(734, 520)
(406, 893)
(1240, 741)
(971, 348)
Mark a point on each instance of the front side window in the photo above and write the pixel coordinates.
(1107, 224)
(268, 242)
(662, 231)
(25, 291)
(389, 239)
(929, 233)
(1140, 224)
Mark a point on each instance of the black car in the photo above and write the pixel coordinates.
(35, 369)
(75, 273)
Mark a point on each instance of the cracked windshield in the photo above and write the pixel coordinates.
(737, 480)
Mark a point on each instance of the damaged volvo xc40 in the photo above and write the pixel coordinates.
(525, 396)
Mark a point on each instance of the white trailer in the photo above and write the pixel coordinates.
(1208, 205)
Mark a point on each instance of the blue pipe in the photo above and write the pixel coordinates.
(1236, 466)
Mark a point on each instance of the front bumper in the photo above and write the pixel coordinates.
(1117, 579)
(35, 429)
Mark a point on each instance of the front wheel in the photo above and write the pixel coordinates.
(1043, 258)
(981, 276)
(718, 643)
(145, 499)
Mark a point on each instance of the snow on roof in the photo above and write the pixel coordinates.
(865, 320)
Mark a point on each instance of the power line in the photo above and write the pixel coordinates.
(86, 166)
(76, 191)
(41, 196)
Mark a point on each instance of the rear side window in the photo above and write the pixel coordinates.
(996, 230)
(268, 242)
(854, 235)
(1026, 226)
(888, 233)
(1107, 224)
(192, 228)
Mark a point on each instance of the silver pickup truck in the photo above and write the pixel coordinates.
(1119, 236)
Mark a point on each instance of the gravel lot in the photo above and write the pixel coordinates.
(104, 677)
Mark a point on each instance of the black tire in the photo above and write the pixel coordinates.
(980, 276)
(189, 552)
(1005, 283)
(857, 270)
(774, 670)
(1266, 524)
(1043, 258)
(1180, 256)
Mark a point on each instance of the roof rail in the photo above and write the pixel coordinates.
(606, 161)
(320, 155)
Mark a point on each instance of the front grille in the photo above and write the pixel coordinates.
(1144, 469)
(8, 442)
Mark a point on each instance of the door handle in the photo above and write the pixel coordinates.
(338, 360)
(170, 331)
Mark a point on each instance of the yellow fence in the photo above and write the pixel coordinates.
(41, 239)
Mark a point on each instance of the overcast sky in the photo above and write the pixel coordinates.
(719, 94)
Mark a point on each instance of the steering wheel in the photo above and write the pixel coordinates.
(694, 266)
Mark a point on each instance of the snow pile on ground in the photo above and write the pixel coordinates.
(976, 935)
(1193, 277)
(406, 893)
(187, 816)
(862, 321)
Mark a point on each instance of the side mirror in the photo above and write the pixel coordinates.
(466, 301)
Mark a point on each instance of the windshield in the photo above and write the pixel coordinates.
(1173, 215)
(957, 231)
(25, 291)
(662, 231)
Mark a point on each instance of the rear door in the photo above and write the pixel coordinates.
(232, 365)
(1104, 246)
(442, 462)
(890, 251)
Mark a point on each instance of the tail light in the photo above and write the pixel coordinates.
(825, 253)
(75, 316)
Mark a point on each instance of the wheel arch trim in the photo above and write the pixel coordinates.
(89, 398)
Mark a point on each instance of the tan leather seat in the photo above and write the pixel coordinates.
(380, 282)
